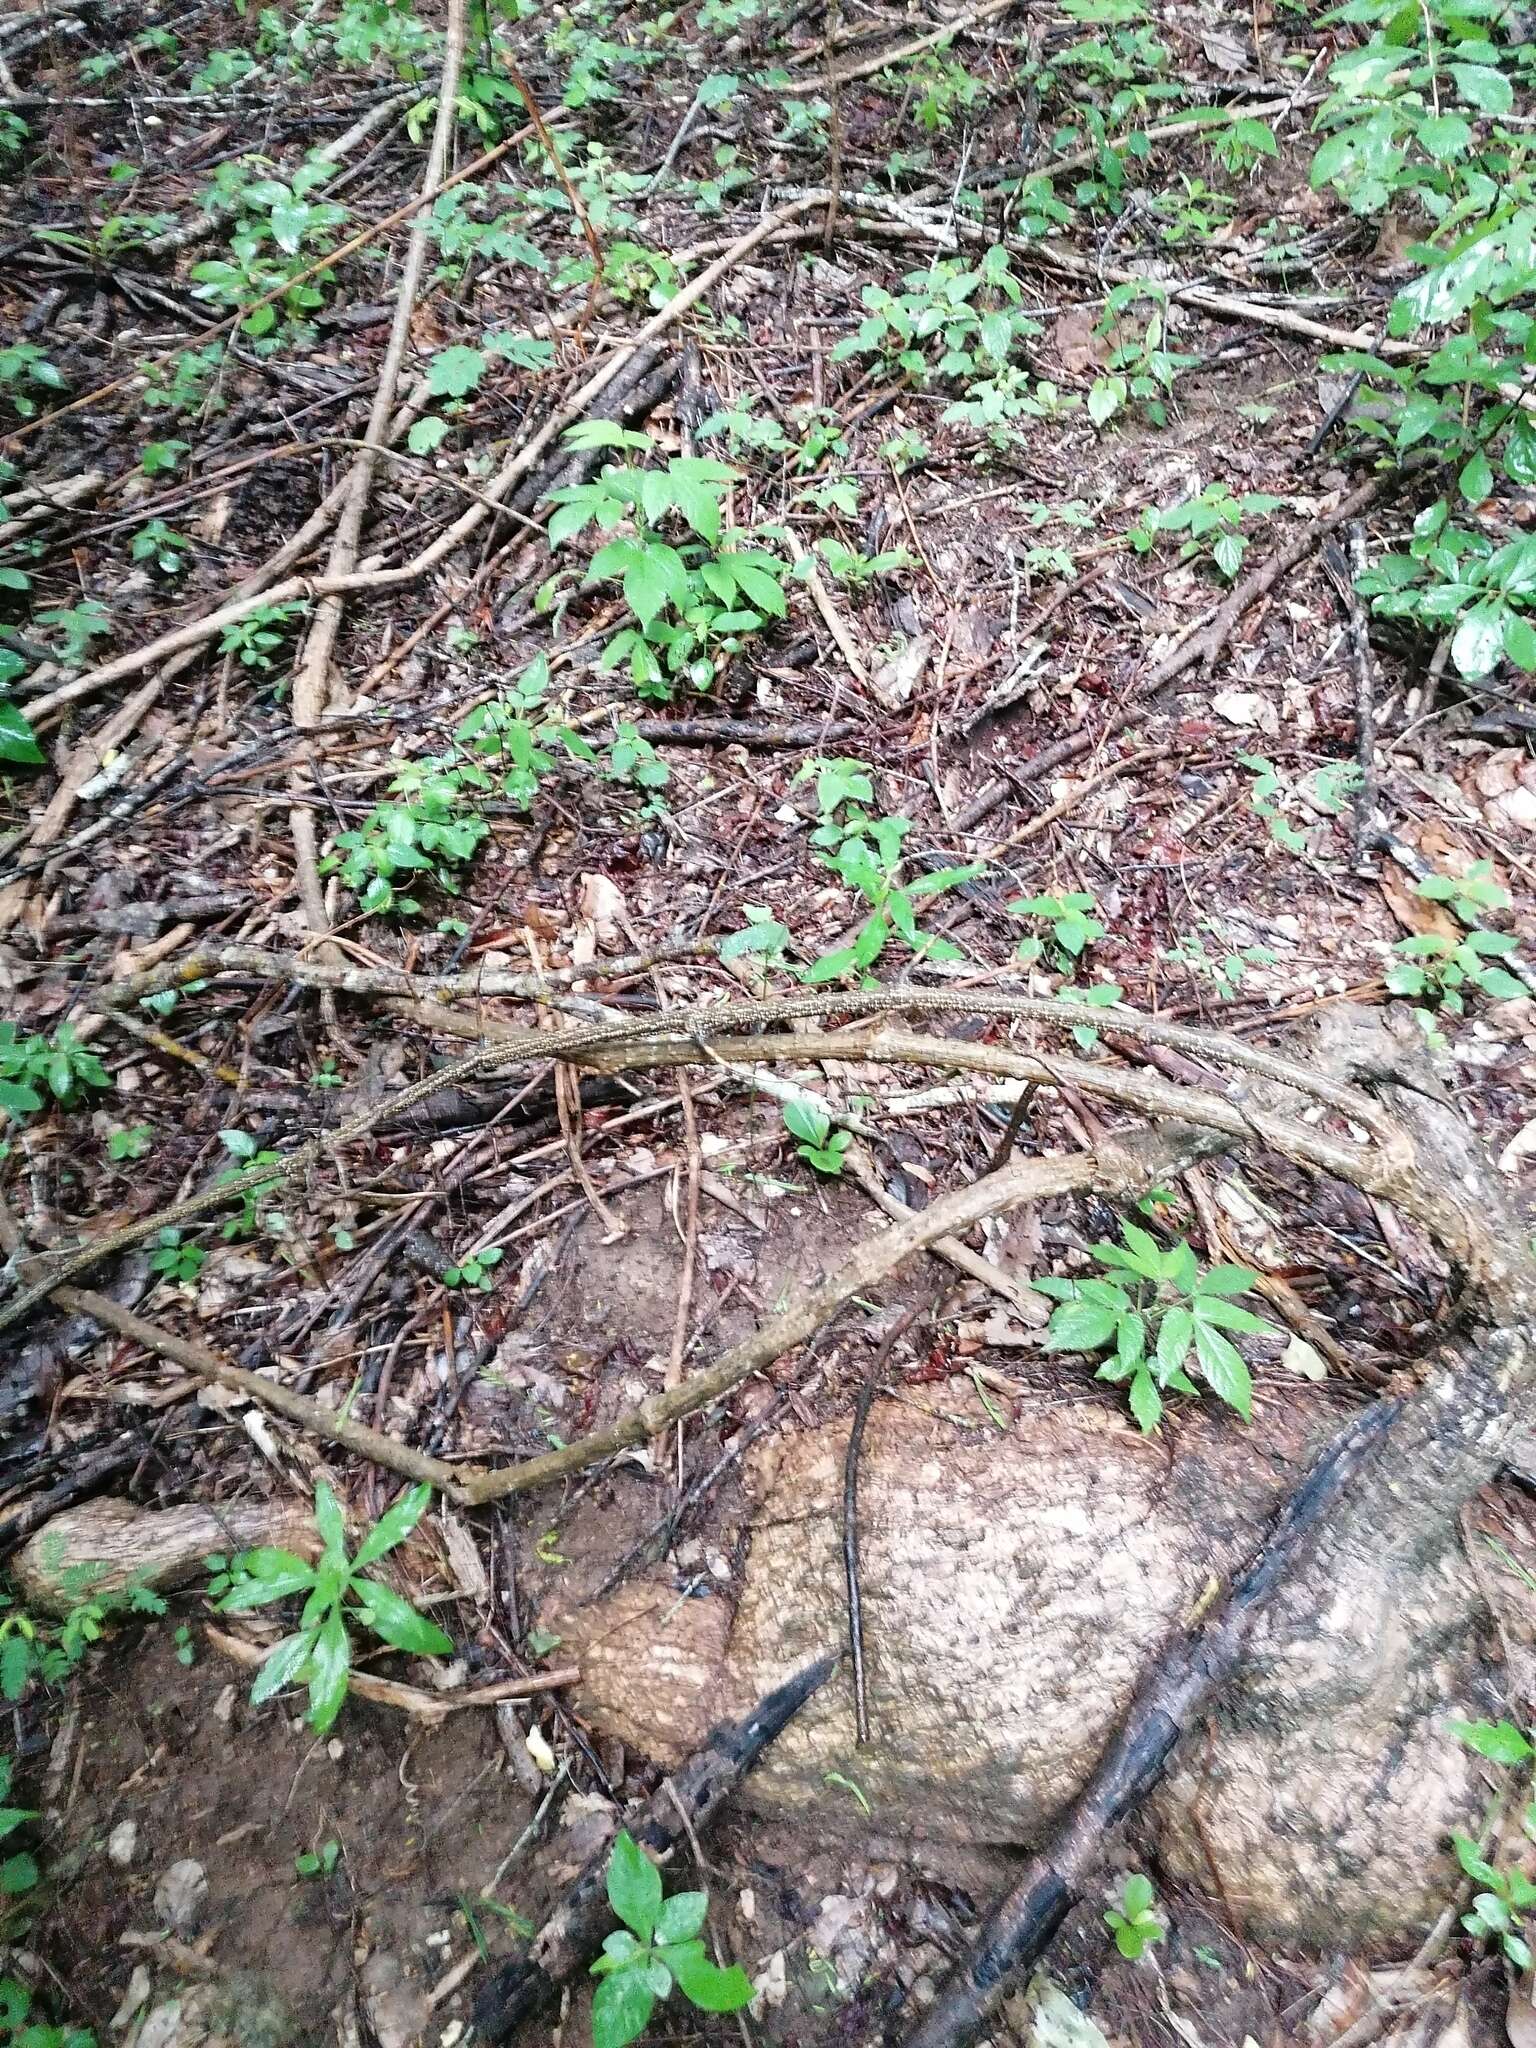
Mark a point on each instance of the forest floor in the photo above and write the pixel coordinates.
(265, 879)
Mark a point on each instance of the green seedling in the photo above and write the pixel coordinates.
(336, 1591)
(1159, 1313)
(476, 1270)
(1133, 1923)
(656, 1951)
(820, 1145)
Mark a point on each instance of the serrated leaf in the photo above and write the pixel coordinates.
(655, 577)
(1226, 1280)
(1175, 1335)
(1224, 1371)
(1146, 1402)
(455, 372)
(1228, 1315)
(1080, 1326)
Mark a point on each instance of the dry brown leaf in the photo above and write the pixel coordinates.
(1412, 912)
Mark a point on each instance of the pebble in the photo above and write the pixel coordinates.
(123, 1844)
(181, 1896)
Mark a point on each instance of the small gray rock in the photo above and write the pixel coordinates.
(123, 1844)
(181, 1895)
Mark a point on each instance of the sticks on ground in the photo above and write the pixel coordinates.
(1018, 1930)
(683, 1805)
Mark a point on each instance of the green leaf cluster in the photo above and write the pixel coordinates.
(1159, 1314)
(336, 1590)
(657, 1950)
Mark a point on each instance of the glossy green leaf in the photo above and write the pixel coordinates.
(396, 1620)
(621, 2007)
(634, 1885)
(394, 1525)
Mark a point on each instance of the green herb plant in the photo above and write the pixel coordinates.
(1158, 1313)
(1141, 369)
(34, 1067)
(695, 602)
(430, 832)
(656, 1951)
(337, 1590)
(1506, 1896)
(1212, 522)
(820, 1145)
(476, 1270)
(1133, 1923)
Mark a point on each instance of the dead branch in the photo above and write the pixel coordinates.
(684, 1804)
(432, 1709)
(1124, 1166)
(197, 632)
(1386, 1171)
(884, 59)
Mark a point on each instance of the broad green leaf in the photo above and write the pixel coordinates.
(1476, 480)
(18, 743)
(1225, 1373)
(1137, 1896)
(455, 372)
(655, 577)
(330, 1668)
(1500, 1741)
(802, 1120)
(18, 1874)
(396, 1620)
(703, 1983)
(1484, 88)
(634, 1885)
(1471, 1859)
(1226, 1280)
(283, 1666)
(1445, 136)
(620, 2008)
(1479, 640)
(1174, 1337)
(1146, 1402)
(394, 1525)
(1080, 1326)
(1227, 1315)
(682, 1916)
(1519, 642)
(426, 434)
(588, 434)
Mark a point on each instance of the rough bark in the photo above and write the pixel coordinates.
(1016, 1587)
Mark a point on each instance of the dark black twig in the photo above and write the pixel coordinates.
(887, 1345)
(851, 1558)
(1176, 1689)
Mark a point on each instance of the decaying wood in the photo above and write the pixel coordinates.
(108, 1545)
(685, 1803)
(432, 1709)
(1020, 1586)
(1170, 1699)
